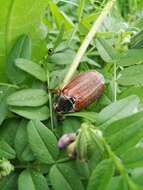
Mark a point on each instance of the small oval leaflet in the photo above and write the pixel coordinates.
(32, 180)
(21, 48)
(6, 151)
(28, 97)
(31, 68)
(41, 113)
(42, 142)
(67, 178)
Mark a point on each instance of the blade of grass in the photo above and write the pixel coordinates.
(94, 29)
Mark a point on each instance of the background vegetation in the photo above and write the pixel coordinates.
(38, 41)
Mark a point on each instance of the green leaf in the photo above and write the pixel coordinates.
(70, 125)
(84, 147)
(133, 158)
(118, 110)
(18, 17)
(8, 130)
(87, 20)
(4, 92)
(31, 68)
(63, 177)
(59, 38)
(101, 176)
(80, 9)
(57, 77)
(9, 182)
(41, 113)
(20, 49)
(28, 97)
(120, 124)
(62, 58)
(133, 90)
(117, 183)
(22, 147)
(128, 136)
(96, 158)
(137, 175)
(6, 151)
(105, 50)
(91, 116)
(60, 17)
(32, 180)
(131, 57)
(82, 169)
(137, 39)
(42, 142)
(131, 75)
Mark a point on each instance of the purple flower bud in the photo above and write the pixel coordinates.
(66, 139)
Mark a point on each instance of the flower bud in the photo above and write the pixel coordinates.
(71, 150)
(5, 167)
(66, 139)
(88, 141)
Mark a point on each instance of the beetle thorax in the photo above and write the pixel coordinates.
(64, 104)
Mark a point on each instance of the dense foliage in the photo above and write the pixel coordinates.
(38, 41)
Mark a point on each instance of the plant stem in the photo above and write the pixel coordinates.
(80, 9)
(72, 35)
(120, 167)
(9, 85)
(50, 103)
(94, 29)
(64, 160)
(110, 34)
(115, 82)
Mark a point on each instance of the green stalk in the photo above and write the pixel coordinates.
(64, 160)
(120, 167)
(111, 34)
(80, 9)
(115, 82)
(9, 85)
(72, 35)
(94, 29)
(50, 103)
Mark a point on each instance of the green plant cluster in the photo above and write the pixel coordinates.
(38, 41)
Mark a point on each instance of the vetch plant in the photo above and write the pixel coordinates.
(88, 141)
(83, 144)
(84, 136)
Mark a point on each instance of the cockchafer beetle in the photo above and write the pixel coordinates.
(81, 91)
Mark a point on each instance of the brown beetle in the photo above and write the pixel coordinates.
(80, 92)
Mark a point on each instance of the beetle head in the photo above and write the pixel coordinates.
(64, 104)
